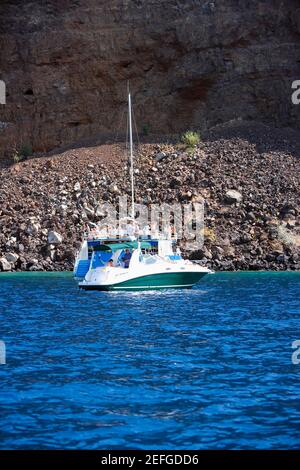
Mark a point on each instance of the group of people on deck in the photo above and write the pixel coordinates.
(125, 259)
(131, 230)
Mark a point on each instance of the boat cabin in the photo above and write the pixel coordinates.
(118, 253)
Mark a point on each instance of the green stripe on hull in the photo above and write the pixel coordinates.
(154, 281)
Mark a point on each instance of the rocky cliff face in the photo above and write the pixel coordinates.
(191, 63)
(248, 176)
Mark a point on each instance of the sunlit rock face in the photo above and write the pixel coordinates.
(190, 63)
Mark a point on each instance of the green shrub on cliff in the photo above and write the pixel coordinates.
(190, 139)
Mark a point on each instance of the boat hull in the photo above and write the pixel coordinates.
(177, 280)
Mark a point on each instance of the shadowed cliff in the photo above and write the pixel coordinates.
(191, 64)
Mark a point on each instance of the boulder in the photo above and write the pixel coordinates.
(89, 211)
(276, 247)
(114, 189)
(4, 264)
(99, 212)
(33, 228)
(160, 156)
(11, 257)
(54, 238)
(63, 207)
(232, 196)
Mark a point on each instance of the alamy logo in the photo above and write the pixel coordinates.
(296, 354)
(2, 353)
(178, 221)
(296, 94)
(2, 92)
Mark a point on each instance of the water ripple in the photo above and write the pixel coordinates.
(206, 368)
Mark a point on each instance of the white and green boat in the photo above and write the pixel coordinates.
(133, 261)
(153, 265)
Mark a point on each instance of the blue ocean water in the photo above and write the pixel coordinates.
(207, 368)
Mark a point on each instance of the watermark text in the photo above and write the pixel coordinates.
(296, 353)
(2, 92)
(2, 353)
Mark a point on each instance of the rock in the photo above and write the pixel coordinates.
(229, 251)
(84, 215)
(49, 165)
(12, 240)
(33, 228)
(272, 222)
(175, 182)
(11, 257)
(203, 253)
(5, 265)
(250, 216)
(160, 156)
(281, 258)
(89, 211)
(246, 238)
(233, 196)
(276, 247)
(99, 212)
(185, 196)
(54, 238)
(114, 189)
(34, 265)
(291, 223)
(77, 186)
(63, 207)
(287, 210)
(225, 242)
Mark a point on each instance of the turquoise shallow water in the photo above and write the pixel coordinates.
(208, 368)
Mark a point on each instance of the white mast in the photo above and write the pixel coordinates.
(131, 155)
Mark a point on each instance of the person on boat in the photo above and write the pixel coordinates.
(87, 232)
(173, 232)
(110, 263)
(121, 232)
(146, 231)
(93, 234)
(154, 230)
(130, 229)
(126, 258)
